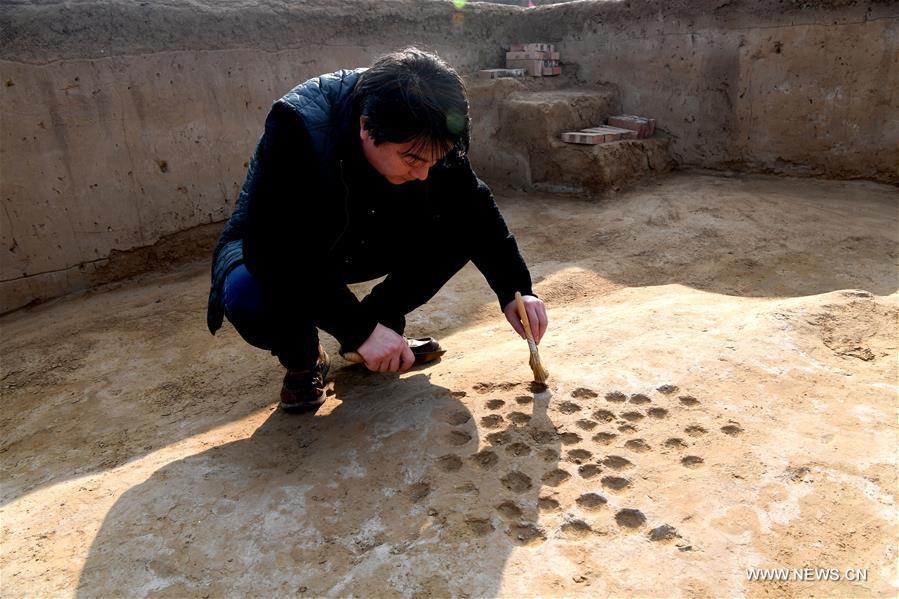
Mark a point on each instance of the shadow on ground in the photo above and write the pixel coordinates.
(302, 507)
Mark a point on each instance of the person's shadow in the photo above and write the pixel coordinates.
(392, 488)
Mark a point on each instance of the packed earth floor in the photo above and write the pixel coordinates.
(723, 354)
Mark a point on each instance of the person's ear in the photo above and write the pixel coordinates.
(364, 135)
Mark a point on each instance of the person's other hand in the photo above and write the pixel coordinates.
(386, 351)
(536, 311)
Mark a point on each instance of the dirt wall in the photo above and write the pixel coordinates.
(807, 88)
(124, 123)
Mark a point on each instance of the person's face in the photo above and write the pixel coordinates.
(395, 161)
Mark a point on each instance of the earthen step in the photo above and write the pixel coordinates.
(601, 166)
(516, 137)
(533, 117)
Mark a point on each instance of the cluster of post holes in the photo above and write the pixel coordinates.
(594, 423)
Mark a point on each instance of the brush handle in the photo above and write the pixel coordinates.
(353, 357)
(523, 315)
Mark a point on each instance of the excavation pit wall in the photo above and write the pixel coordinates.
(126, 128)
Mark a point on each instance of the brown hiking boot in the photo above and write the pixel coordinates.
(304, 390)
(425, 349)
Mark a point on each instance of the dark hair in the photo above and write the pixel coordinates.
(414, 95)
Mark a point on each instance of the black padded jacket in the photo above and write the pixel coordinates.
(313, 216)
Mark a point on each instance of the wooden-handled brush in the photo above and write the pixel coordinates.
(540, 373)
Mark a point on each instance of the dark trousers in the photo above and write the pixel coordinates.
(294, 338)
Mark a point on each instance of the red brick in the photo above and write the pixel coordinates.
(501, 73)
(526, 55)
(539, 47)
(643, 126)
(612, 129)
(611, 133)
(583, 137)
(533, 67)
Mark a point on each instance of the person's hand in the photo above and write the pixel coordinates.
(536, 310)
(386, 351)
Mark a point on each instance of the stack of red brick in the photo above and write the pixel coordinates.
(622, 126)
(538, 59)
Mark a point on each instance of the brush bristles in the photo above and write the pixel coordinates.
(541, 374)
